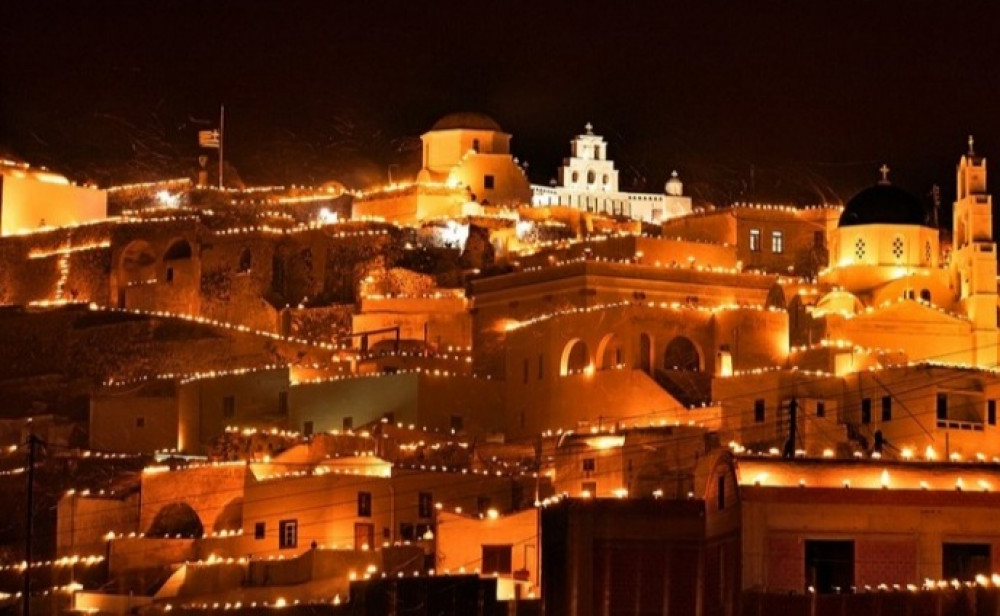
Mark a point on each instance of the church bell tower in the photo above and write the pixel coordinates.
(974, 256)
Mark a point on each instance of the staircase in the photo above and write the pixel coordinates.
(689, 387)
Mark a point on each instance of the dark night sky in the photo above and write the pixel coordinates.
(814, 95)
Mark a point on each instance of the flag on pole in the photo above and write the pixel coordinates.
(208, 138)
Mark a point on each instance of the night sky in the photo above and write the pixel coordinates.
(812, 96)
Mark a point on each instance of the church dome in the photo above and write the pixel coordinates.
(883, 204)
(468, 120)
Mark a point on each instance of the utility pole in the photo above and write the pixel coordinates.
(28, 522)
(222, 140)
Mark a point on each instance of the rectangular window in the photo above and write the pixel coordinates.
(425, 505)
(259, 530)
(942, 406)
(821, 409)
(229, 407)
(348, 423)
(406, 531)
(282, 402)
(754, 240)
(991, 412)
(307, 428)
(866, 410)
(488, 182)
(829, 565)
(288, 534)
(964, 561)
(758, 411)
(140, 422)
(720, 492)
(589, 464)
(364, 504)
(886, 408)
(497, 558)
(777, 242)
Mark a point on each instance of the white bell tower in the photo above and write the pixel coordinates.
(974, 255)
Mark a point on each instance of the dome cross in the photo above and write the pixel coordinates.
(884, 170)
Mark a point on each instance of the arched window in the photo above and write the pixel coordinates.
(591, 177)
(576, 177)
(606, 179)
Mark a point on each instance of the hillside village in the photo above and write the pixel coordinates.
(472, 390)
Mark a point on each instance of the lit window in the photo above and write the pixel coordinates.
(777, 242)
(288, 534)
(754, 240)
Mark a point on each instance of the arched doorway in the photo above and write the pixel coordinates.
(179, 249)
(575, 357)
(681, 354)
(610, 354)
(176, 519)
(645, 362)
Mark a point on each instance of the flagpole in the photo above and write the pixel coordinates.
(222, 132)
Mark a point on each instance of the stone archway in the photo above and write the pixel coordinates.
(137, 263)
(610, 353)
(176, 519)
(575, 357)
(682, 354)
(178, 250)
